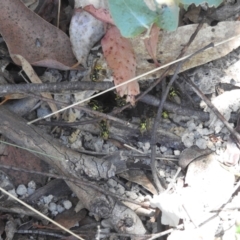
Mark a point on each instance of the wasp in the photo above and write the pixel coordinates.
(104, 129)
(165, 115)
(144, 125)
(174, 95)
(120, 101)
(95, 105)
(97, 73)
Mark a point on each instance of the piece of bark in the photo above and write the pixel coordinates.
(71, 164)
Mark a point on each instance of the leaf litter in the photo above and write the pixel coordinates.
(186, 195)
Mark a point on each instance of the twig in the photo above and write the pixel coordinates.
(158, 117)
(160, 108)
(234, 134)
(53, 87)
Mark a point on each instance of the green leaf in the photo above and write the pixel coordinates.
(168, 15)
(132, 17)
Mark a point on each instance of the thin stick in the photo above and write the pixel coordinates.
(130, 80)
(40, 214)
(160, 109)
(157, 119)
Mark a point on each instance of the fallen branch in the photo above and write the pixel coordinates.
(69, 163)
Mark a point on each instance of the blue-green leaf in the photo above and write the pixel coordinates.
(132, 17)
(168, 15)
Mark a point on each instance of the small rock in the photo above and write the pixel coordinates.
(131, 195)
(120, 189)
(161, 173)
(21, 190)
(197, 134)
(191, 126)
(206, 131)
(146, 147)
(32, 185)
(52, 206)
(60, 208)
(188, 139)
(111, 183)
(98, 145)
(201, 143)
(163, 149)
(112, 190)
(47, 199)
(67, 204)
(176, 152)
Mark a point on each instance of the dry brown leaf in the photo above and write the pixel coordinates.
(84, 31)
(171, 44)
(34, 79)
(16, 157)
(120, 57)
(69, 218)
(139, 177)
(151, 43)
(30, 36)
(100, 13)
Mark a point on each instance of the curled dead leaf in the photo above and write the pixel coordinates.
(85, 30)
(120, 57)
